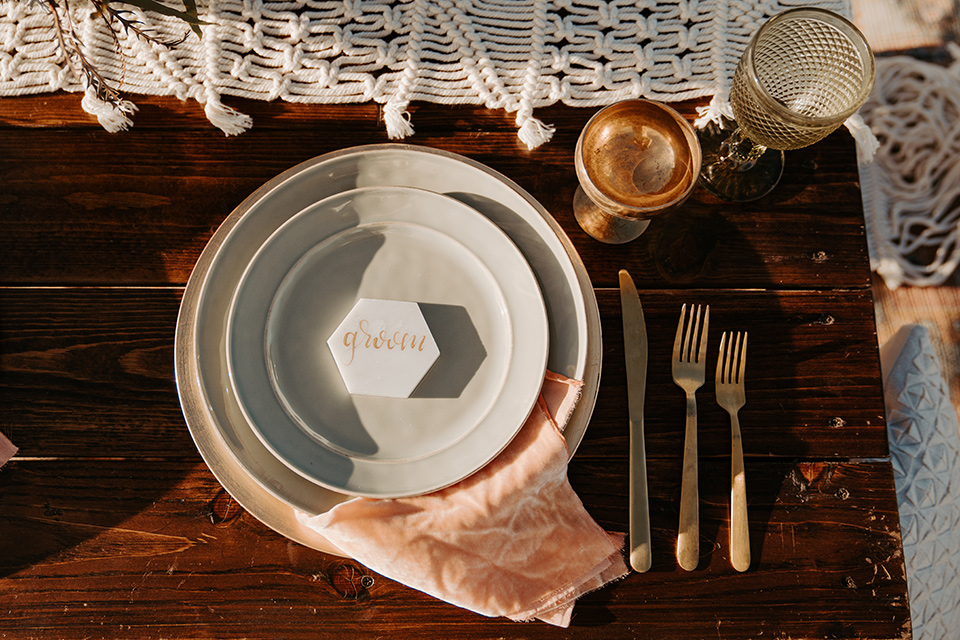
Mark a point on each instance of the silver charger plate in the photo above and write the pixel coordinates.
(256, 479)
(480, 301)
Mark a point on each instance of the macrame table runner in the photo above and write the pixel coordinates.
(515, 55)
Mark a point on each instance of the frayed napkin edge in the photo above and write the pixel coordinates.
(556, 608)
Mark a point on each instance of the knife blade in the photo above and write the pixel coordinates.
(635, 354)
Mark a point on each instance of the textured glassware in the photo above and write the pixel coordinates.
(802, 75)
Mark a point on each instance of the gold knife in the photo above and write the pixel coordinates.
(635, 353)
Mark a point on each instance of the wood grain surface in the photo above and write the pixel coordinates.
(112, 526)
(158, 550)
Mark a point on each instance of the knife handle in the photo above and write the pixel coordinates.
(640, 552)
(688, 540)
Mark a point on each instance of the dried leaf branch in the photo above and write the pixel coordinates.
(115, 19)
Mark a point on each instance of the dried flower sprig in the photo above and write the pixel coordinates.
(115, 19)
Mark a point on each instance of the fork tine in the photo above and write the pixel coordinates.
(722, 359)
(702, 356)
(743, 356)
(687, 343)
(677, 354)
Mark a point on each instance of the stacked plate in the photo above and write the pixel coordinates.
(498, 284)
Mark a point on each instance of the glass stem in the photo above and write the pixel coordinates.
(739, 152)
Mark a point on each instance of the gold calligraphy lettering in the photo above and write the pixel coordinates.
(350, 341)
(363, 339)
(363, 327)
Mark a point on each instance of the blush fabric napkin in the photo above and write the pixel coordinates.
(7, 449)
(512, 540)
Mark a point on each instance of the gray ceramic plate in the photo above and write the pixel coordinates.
(263, 485)
(480, 301)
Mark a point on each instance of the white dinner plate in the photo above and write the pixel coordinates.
(478, 297)
(257, 480)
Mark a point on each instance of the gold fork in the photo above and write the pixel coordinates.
(689, 371)
(731, 396)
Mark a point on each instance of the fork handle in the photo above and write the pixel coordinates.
(688, 540)
(739, 528)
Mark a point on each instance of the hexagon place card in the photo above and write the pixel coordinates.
(383, 348)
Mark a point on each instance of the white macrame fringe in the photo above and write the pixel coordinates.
(878, 231)
(714, 112)
(112, 117)
(534, 133)
(397, 120)
(225, 118)
(867, 143)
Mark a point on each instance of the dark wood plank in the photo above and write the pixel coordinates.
(89, 372)
(82, 206)
(126, 549)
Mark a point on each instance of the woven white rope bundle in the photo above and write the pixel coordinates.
(515, 55)
(911, 192)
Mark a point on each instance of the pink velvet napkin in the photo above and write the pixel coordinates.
(511, 540)
(6, 449)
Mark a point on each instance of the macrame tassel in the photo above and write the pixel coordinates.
(397, 120)
(718, 108)
(954, 49)
(114, 117)
(534, 133)
(867, 143)
(225, 118)
(877, 226)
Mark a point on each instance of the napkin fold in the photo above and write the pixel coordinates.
(7, 449)
(512, 540)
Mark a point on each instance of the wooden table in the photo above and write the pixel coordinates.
(112, 526)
